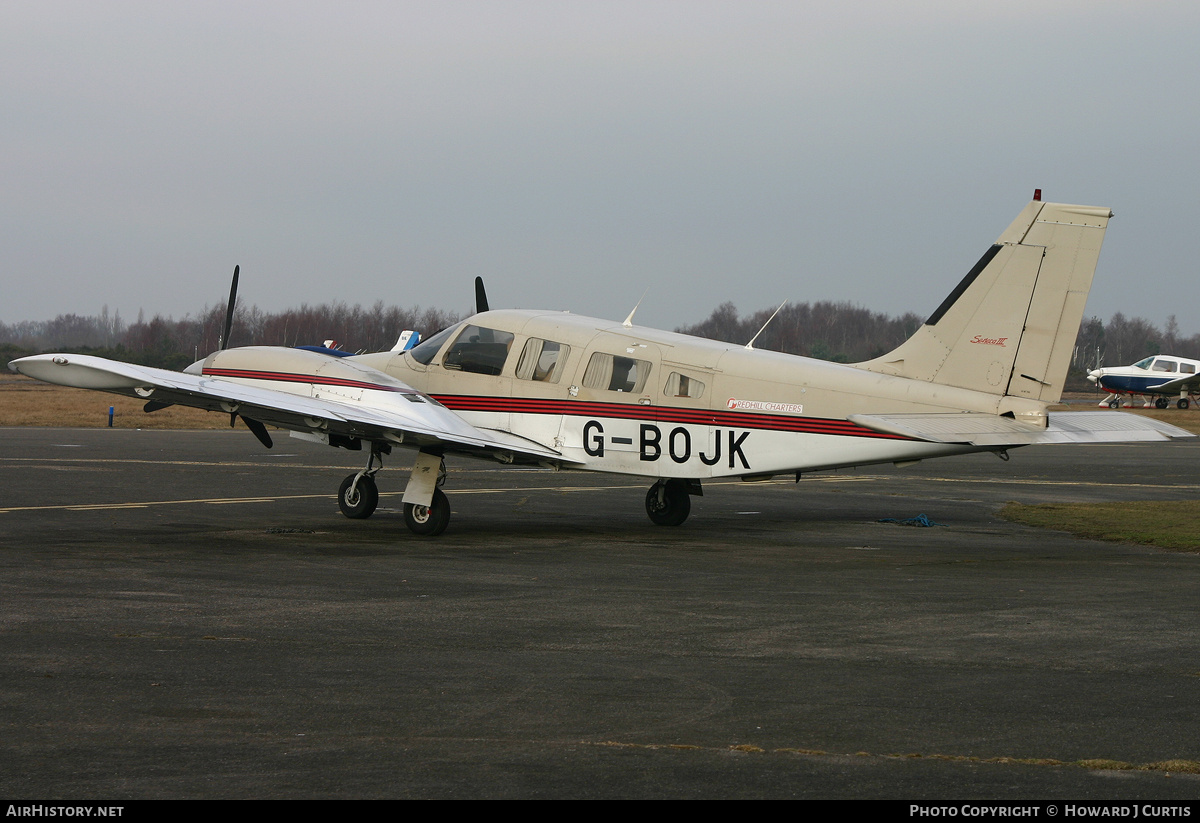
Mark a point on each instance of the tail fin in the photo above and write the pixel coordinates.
(1009, 327)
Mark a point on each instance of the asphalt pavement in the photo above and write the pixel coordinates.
(187, 615)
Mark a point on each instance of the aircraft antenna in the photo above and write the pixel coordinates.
(629, 320)
(224, 341)
(750, 345)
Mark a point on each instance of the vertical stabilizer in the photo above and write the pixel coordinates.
(1009, 327)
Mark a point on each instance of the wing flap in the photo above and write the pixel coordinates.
(980, 429)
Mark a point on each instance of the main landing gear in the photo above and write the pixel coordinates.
(358, 495)
(426, 507)
(669, 502)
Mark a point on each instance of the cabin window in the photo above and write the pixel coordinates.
(680, 385)
(1164, 365)
(426, 350)
(615, 373)
(542, 360)
(479, 350)
(1187, 368)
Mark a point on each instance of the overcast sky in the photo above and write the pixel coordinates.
(575, 154)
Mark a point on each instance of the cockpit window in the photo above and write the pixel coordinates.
(1144, 364)
(426, 350)
(542, 360)
(479, 350)
(615, 373)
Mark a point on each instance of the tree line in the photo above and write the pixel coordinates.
(172, 344)
(837, 331)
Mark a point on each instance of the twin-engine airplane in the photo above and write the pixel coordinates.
(568, 392)
(1159, 377)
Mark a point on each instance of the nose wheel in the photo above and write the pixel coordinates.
(431, 520)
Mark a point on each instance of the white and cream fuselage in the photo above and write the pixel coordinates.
(670, 406)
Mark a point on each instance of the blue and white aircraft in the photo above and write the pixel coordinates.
(1157, 378)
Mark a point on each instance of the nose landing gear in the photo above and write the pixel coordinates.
(431, 520)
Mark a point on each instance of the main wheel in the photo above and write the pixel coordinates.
(431, 520)
(1114, 404)
(674, 505)
(1161, 402)
(360, 502)
(1182, 403)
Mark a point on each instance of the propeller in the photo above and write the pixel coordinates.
(481, 303)
(229, 313)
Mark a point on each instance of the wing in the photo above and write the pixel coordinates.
(375, 407)
(977, 429)
(1191, 381)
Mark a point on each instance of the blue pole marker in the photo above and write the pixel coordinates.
(110, 416)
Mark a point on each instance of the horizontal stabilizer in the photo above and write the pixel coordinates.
(979, 429)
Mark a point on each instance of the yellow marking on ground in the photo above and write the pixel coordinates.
(84, 507)
(519, 489)
(727, 481)
(229, 500)
(1015, 481)
(226, 501)
(1177, 766)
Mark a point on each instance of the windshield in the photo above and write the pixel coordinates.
(426, 350)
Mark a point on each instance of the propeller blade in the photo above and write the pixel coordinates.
(481, 303)
(229, 313)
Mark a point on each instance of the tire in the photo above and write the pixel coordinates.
(675, 506)
(431, 520)
(1161, 402)
(1182, 403)
(362, 502)
(1114, 404)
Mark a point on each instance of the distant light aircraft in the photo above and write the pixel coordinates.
(567, 392)
(1158, 377)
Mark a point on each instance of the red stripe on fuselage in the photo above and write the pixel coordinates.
(660, 414)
